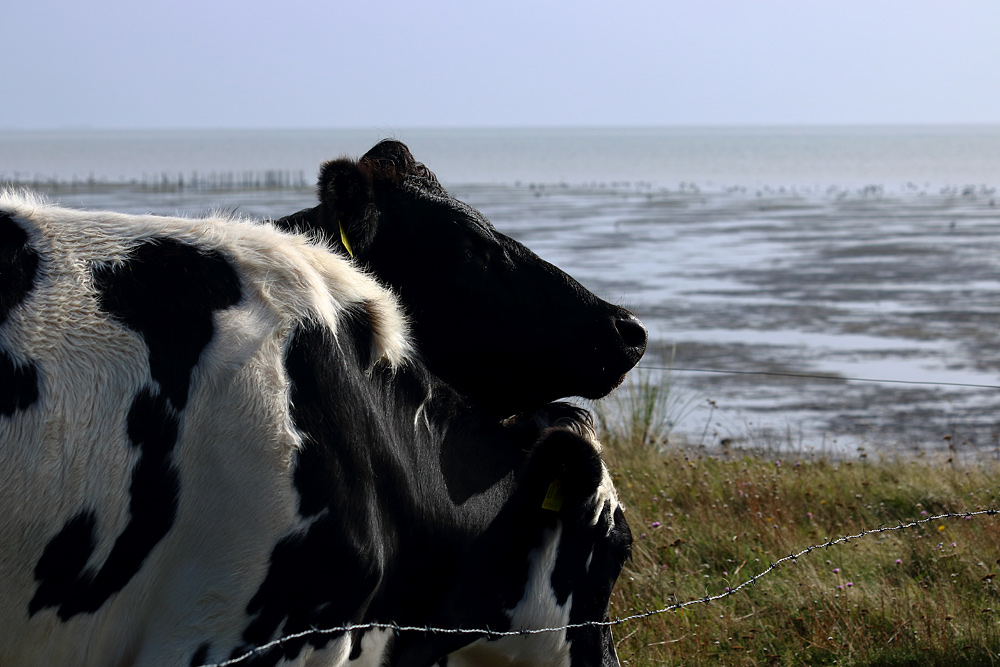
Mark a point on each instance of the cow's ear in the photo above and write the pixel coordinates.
(347, 212)
(565, 471)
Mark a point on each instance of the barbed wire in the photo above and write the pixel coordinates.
(812, 376)
(494, 634)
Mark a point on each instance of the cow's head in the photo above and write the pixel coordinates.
(491, 318)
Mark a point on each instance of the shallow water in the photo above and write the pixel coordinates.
(842, 283)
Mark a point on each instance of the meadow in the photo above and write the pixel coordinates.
(706, 520)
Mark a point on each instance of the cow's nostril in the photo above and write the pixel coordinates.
(633, 332)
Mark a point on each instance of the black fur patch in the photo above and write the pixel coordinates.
(152, 428)
(18, 270)
(18, 265)
(166, 292)
(59, 571)
(356, 649)
(18, 385)
(200, 656)
(610, 543)
(324, 575)
(571, 562)
(359, 323)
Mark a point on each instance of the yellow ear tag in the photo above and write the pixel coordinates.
(553, 497)
(343, 239)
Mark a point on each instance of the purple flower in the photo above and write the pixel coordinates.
(655, 524)
(850, 583)
(836, 570)
(899, 561)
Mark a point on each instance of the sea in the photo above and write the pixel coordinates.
(806, 289)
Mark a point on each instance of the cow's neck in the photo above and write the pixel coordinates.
(464, 465)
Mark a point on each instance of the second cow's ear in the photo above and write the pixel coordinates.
(347, 210)
(564, 472)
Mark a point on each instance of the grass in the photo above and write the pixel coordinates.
(704, 522)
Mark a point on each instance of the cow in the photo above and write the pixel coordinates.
(492, 319)
(215, 437)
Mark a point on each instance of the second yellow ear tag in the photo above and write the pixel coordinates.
(553, 497)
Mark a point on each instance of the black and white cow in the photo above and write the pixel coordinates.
(490, 317)
(212, 436)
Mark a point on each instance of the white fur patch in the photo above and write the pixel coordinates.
(374, 646)
(539, 608)
(606, 493)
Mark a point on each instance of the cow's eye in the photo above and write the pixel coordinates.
(470, 256)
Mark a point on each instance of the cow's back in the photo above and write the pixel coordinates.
(145, 439)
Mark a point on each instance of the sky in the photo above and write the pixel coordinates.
(477, 63)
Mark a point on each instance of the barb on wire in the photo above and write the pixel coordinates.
(752, 581)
